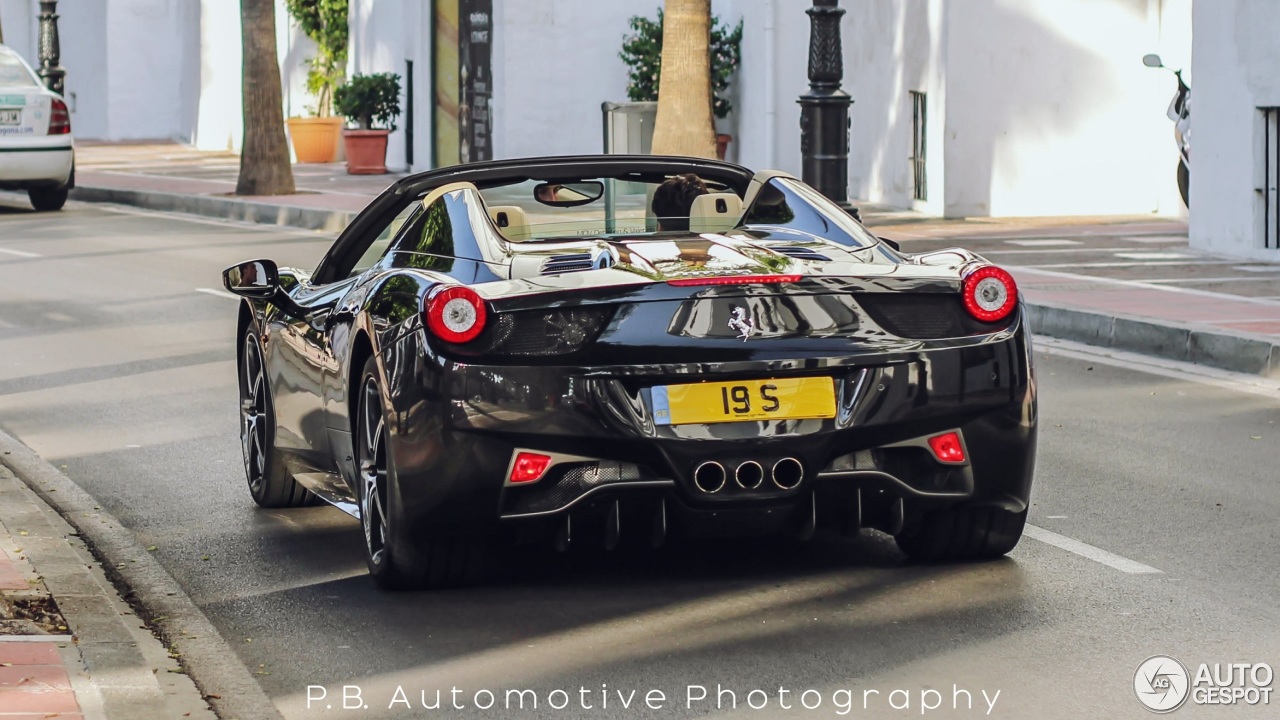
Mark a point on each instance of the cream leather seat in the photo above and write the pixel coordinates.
(511, 222)
(715, 213)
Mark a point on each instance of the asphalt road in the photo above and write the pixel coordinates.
(116, 365)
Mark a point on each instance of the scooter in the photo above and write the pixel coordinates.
(1180, 113)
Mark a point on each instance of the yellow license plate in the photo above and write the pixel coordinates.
(743, 400)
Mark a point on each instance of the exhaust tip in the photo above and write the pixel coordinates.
(749, 475)
(788, 473)
(710, 477)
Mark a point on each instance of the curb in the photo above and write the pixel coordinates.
(332, 221)
(1242, 353)
(114, 666)
(219, 674)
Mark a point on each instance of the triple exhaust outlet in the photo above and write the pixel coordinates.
(711, 477)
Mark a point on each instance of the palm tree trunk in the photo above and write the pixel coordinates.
(685, 125)
(264, 159)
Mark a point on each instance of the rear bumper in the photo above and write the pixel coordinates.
(457, 427)
(25, 167)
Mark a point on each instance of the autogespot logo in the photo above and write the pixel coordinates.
(1162, 684)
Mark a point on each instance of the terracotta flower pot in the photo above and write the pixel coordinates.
(722, 144)
(366, 151)
(315, 140)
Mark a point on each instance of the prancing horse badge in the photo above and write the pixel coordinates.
(742, 322)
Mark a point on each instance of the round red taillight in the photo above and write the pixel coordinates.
(990, 293)
(455, 314)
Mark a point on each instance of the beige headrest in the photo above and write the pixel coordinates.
(715, 213)
(510, 221)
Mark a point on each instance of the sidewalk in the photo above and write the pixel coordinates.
(69, 646)
(1129, 283)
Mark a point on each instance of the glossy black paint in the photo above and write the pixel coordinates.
(456, 413)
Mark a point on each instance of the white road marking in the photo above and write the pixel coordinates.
(1056, 517)
(1235, 278)
(19, 253)
(1258, 268)
(1153, 255)
(1085, 550)
(1053, 251)
(1188, 372)
(1043, 243)
(219, 293)
(1146, 263)
(1152, 239)
(1138, 284)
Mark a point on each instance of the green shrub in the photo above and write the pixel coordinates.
(325, 22)
(370, 100)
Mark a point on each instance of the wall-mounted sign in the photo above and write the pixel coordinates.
(463, 81)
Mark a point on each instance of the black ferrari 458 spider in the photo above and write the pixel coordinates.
(523, 348)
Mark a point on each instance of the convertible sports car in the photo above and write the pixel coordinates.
(521, 349)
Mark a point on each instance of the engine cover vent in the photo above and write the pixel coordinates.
(575, 262)
(800, 253)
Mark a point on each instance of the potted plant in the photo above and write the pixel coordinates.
(642, 52)
(315, 138)
(371, 103)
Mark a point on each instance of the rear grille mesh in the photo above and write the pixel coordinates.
(546, 332)
(924, 316)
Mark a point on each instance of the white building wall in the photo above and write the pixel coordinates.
(380, 43)
(1049, 111)
(17, 17)
(775, 58)
(144, 65)
(891, 48)
(555, 62)
(1237, 53)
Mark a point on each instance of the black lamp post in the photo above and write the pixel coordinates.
(824, 110)
(50, 49)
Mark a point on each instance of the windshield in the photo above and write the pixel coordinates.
(607, 207)
(600, 207)
(13, 72)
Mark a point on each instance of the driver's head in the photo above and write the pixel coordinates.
(674, 198)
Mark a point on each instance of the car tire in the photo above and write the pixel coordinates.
(1184, 183)
(396, 559)
(270, 483)
(47, 199)
(963, 533)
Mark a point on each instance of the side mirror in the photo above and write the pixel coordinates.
(256, 279)
(1152, 61)
(891, 243)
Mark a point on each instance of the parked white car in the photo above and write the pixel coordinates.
(36, 152)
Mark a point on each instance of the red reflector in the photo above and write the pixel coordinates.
(947, 448)
(529, 467)
(735, 280)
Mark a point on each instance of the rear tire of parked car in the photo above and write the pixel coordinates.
(962, 533)
(270, 483)
(48, 200)
(396, 559)
(1184, 183)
